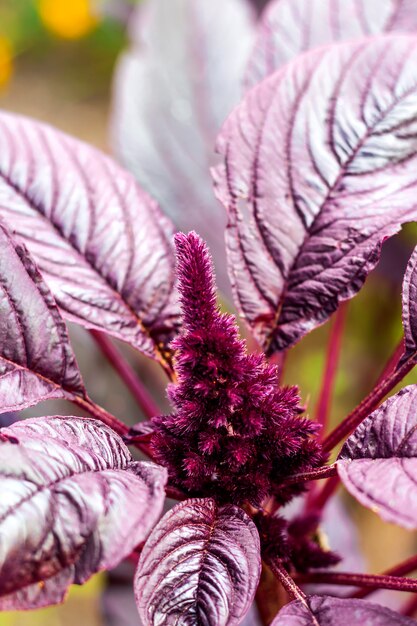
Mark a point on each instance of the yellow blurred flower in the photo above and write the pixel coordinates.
(69, 19)
(6, 61)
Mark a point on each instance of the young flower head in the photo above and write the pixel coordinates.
(234, 432)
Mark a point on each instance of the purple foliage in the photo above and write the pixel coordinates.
(318, 169)
(410, 309)
(234, 433)
(36, 358)
(294, 543)
(64, 483)
(290, 27)
(309, 154)
(101, 243)
(174, 87)
(201, 564)
(328, 611)
(378, 463)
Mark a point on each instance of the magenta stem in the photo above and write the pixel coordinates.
(367, 405)
(286, 581)
(316, 474)
(392, 362)
(330, 370)
(319, 500)
(121, 429)
(127, 374)
(107, 418)
(374, 581)
(279, 359)
(101, 414)
(402, 569)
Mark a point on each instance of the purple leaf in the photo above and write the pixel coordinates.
(378, 463)
(36, 358)
(101, 243)
(290, 27)
(328, 611)
(201, 564)
(72, 497)
(54, 590)
(321, 157)
(173, 90)
(410, 309)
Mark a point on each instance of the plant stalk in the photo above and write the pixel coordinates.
(392, 362)
(101, 414)
(367, 405)
(330, 369)
(374, 581)
(402, 569)
(286, 581)
(127, 374)
(326, 471)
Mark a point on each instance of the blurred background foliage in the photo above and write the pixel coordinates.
(56, 63)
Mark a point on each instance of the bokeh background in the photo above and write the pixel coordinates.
(56, 64)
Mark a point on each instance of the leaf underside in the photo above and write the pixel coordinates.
(290, 27)
(200, 565)
(329, 611)
(409, 309)
(36, 358)
(73, 503)
(378, 463)
(173, 89)
(101, 243)
(319, 168)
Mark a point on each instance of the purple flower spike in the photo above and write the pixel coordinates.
(234, 433)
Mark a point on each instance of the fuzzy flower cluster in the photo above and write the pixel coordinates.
(234, 433)
(296, 544)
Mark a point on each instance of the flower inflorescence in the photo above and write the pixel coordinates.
(234, 434)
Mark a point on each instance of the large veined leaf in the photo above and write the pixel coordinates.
(173, 90)
(36, 358)
(290, 27)
(101, 243)
(73, 503)
(329, 611)
(200, 565)
(319, 168)
(410, 308)
(378, 463)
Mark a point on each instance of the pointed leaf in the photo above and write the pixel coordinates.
(100, 242)
(174, 88)
(72, 497)
(328, 611)
(201, 564)
(321, 157)
(290, 27)
(410, 309)
(378, 463)
(36, 358)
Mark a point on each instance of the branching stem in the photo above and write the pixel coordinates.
(402, 569)
(316, 474)
(286, 581)
(373, 581)
(368, 405)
